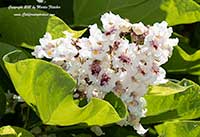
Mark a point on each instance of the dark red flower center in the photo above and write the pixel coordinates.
(153, 43)
(95, 67)
(104, 79)
(125, 59)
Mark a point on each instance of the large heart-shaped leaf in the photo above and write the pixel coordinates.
(148, 11)
(12, 131)
(181, 62)
(179, 129)
(49, 90)
(171, 101)
(26, 31)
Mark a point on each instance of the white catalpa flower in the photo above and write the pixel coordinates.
(140, 129)
(97, 130)
(93, 47)
(124, 58)
(112, 23)
(39, 52)
(65, 51)
(46, 48)
(46, 39)
(139, 28)
(159, 43)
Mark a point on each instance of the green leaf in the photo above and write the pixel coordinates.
(116, 102)
(5, 82)
(183, 63)
(12, 131)
(65, 11)
(198, 1)
(179, 129)
(166, 89)
(173, 101)
(49, 90)
(56, 26)
(83, 135)
(6, 48)
(118, 131)
(181, 11)
(148, 11)
(26, 31)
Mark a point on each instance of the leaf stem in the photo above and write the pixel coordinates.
(27, 117)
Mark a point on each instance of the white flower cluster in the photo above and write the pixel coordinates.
(124, 58)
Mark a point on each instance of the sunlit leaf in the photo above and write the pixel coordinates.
(173, 101)
(49, 90)
(183, 63)
(179, 129)
(12, 131)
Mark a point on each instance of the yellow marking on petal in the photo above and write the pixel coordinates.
(95, 52)
(49, 52)
(99, 43)
(158, 37)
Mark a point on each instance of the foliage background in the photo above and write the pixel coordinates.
(173, 108)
